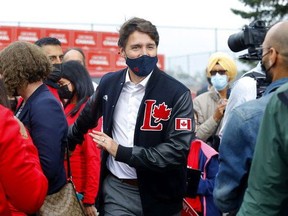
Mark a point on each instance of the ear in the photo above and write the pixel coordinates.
(122, 52)
(273, 56)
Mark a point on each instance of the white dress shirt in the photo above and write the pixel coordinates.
(124, 121)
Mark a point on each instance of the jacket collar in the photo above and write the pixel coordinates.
(25, 109)
(274, 85)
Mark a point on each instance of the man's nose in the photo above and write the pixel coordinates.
(144, 51)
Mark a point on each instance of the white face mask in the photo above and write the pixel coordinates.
(219, 81)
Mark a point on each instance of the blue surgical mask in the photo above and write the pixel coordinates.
(143, 65)
(219, 81)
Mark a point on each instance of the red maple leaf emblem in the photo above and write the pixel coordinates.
(184, 124)
(161, 112)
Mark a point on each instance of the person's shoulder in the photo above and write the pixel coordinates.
(202, 96)
(244, 82)
(281, 94)
(251, 76)
(283, 88)
(165, 77)
(256, 72)
(115, 73)
(45, 100)
(46, 96)
(251, 109)
(211, 93)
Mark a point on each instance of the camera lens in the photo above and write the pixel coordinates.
(236, 42)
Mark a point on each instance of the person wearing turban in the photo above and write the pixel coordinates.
(210, 106)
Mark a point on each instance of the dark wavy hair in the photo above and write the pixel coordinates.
(77, 74)
(137, 24)
(22, 63)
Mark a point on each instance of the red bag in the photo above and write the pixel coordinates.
(187, 209)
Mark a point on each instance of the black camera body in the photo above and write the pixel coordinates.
(251, 37)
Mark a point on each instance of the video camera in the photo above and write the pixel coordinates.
(251, 37)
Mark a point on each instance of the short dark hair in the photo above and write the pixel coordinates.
(137, 24)
(48, 41)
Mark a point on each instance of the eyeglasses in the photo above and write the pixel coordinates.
(264, 48)
(269, 48)
(221, 72)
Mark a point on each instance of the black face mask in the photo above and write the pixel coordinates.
(56, 74)
(267, 73)
(266, 70)
(64, 92)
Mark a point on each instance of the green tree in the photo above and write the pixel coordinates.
(269, 11)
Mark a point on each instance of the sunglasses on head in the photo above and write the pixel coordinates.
(221, 72)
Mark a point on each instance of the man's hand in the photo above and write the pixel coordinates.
(219, 112)
(104, 142)
(91, 211)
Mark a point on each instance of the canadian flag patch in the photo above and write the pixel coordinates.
(183, 124)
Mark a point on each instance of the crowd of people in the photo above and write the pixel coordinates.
(139, 143)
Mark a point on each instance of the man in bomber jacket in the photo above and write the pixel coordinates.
(164, 128)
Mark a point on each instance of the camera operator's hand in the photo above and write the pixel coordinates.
(219, 112)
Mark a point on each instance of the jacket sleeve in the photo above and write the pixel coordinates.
(93, 161)
(173, 152)
(49, 130)
(205, 126)
(21, 175)
(87, 119)
(235, 156)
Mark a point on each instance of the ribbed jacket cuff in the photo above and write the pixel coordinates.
(123, 154)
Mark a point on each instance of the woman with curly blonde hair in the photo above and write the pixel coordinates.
(24, 67)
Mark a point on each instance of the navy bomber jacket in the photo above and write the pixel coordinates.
(161, 142)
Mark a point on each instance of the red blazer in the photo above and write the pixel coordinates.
(21, 176)
(85, 162)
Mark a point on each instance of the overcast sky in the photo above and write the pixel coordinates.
(200, 13)
(186, 27)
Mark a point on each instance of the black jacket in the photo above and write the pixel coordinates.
(160, 148)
